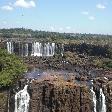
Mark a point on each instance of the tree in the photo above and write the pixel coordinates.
(11, 68)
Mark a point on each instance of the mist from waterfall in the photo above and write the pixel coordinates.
(22, 100)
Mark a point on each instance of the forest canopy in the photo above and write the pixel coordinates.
(11, 68)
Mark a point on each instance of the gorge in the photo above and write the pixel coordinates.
(59, 79)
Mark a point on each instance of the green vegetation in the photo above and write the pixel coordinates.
(11, 68)
(104, 63)
(66, 38)
(81, 49)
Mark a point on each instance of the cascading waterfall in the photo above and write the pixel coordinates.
(22, 100)
(62, 50)
(46, 49)
(26, 49)
(43, 50)
(103, 101)
(37, 49)
(53, 48)
(10, 47)
(49, 49)
(94, 97)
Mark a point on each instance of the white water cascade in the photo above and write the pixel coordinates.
(33, 49)
(22, 100)
(10, 47)
(36, 51)
(103, 109)
(43, 50)
(94, 97)
(49, 49)
(26, 49)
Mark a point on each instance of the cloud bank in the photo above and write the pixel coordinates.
(24, 3)
(7, 8)
(100, 6)
(19, 3)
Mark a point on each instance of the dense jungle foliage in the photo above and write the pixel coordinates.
(56, 36)
(11, 68)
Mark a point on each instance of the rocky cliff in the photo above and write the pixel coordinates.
(59, 96)
(108, 92)
(3, 101)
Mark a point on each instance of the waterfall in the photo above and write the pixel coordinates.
(22, 100)
(94, 97)
(62, 50)
(26, 49)
(37, 49)
(103, 103)
(43, 50)
(53, 48)
(10, 47)
(49, 49)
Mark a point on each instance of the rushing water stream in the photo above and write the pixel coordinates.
(22, 100)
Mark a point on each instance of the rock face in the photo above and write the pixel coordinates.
(59, 96)
(106, 85)
(108, 92)
(3, 101)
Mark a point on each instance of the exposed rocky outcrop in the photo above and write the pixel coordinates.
(108, 93)
(3, 101)
(57, 95)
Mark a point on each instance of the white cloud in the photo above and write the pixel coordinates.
(85, 13)
(25, 4)
(7, 7)
(100, 6)
(68, 27)
(91, 18)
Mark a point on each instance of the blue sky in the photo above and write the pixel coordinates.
(77, 16)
